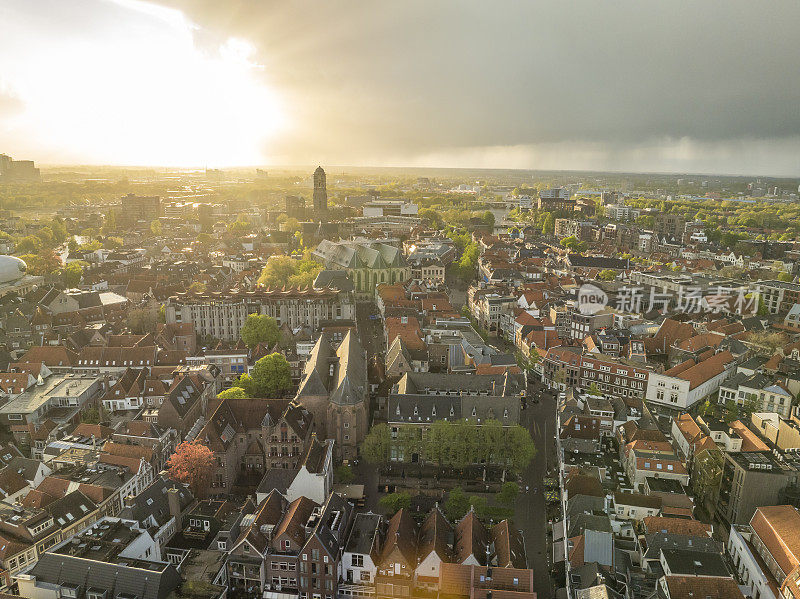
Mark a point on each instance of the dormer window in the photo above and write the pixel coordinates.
(433, 411)
(452, 412)
(474, 411)
(416, 411)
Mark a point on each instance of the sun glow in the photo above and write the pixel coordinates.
(146, 94)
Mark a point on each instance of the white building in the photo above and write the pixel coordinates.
(760, 583)
(315, 477)
(684, 385)
(359, 554)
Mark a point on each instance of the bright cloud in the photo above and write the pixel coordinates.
(140, 92)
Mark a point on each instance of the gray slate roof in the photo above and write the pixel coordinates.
(340, 374)
(144, 580)
(351, 254)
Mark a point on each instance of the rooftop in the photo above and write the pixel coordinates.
(104, 541)
(55, 387)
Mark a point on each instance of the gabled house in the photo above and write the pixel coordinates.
(397, 561)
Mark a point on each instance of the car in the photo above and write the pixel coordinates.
(374, 317)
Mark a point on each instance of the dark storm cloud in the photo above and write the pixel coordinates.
(418, 76)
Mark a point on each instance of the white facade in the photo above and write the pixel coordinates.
(314, 485)
(773, 398)
(357, 569)
(748, 571)
(634, 512)
(676, 393)
(138, 482)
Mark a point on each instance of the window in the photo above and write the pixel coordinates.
(358, 560)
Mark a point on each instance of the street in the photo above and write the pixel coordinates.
(371, 335)
(530, 511)
(370, 330)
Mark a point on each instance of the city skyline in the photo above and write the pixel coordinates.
(628, 88)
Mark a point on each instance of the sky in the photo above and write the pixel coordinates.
(681, 86)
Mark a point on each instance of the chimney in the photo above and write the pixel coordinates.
(174, 504)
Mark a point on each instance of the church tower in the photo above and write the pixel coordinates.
(320, 191)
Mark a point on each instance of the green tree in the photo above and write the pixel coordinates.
(281, 271)
(594, 390)
(571, 243)
(490, 436)
(156, 228)
(607, 274)
(762, 308)
(517, 449)
(456, 505)
(394, 502)
(72, 274)
(751, 404)
(59, 230)
(469, 261)
(377, 444)
(344, 474)
(27, 244)
(44, 263)
(731, 412)
(508, 493)
(260, 328)
(549, 225)
(409, 442)
(94, 414)
(785, 276)
(240, 227)
(707, 477)
(480, 505)
(233, 393)
(706, 409)
(437, 441)
(272, 375)
(431, 217)
(306, 272)
(292, 225)
(488, 219)
(246, 382)
(46, 235)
